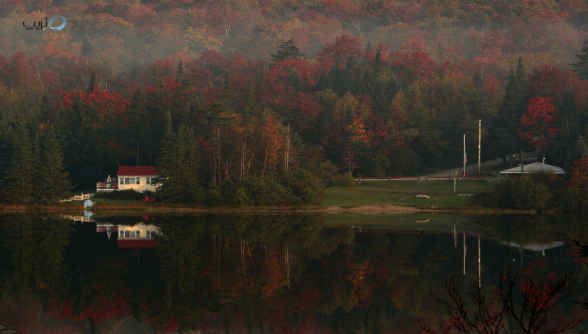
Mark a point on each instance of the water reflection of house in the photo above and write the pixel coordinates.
(137, 236)
(131, 236)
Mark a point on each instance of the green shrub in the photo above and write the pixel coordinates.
(522, 194)
(484, 198)
(341, 180)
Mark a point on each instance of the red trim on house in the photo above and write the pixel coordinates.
(137, 171)
(137, 243)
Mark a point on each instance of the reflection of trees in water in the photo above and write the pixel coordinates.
(521, 303)
(246, 273)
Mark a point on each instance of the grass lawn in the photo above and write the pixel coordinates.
(102, 200)
(403, 193)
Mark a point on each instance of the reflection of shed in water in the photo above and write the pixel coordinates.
(137, 236)
(536, 248)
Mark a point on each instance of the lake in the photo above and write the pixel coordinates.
(277, 273)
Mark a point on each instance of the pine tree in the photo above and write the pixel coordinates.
(93, 82)
(19, 176)
(504, 130)
(80, 151)
(580, 150)
(295, 80)
(168, 160)
(45, 110)
(227, 95)
(7, 147)
(180, 72)
(36, 162)
(249, 104)
(581, 67)
(53, 180)
(287, 50)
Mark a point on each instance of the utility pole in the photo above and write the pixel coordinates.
(479, 146)
(464, 159)
(455, 181)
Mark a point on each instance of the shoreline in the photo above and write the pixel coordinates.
(361, 209)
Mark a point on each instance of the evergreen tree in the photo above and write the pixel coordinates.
(249, 104)
(287, 50)
(36, 162)
(93, 82)
(295, 80)
(80, 154)
(580, 150)
(180, 72)
(505, 126)
(139, 122)
(569, 124)
(7, 147)
(581, 67)
(168, 161)
(227, 95)
(54, 183)
(45, 110)
(20, 174)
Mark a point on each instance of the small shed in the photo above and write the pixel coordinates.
(532, 168)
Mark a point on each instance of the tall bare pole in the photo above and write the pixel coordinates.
(479, 146)
(464, 159)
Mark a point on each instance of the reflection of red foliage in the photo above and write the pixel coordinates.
(579, 174)
(103, 307)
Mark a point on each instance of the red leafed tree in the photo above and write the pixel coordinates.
(550, 80)
(343, 47)
(348, 12)
(537, 122)
(273, 141)
(579, 174)
(418, 63)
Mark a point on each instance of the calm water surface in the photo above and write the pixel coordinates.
(264, 273)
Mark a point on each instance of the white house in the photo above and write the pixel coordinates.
(139, 178)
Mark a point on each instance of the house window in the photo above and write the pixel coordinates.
(147, 180)
(127, 234)
(122, 234)
(148, 234)
(138, 180)
(127, 180)
(122, 180)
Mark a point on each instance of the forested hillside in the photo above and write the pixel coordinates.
(260, 87)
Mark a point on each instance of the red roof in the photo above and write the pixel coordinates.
(137, 171)
(137, 243)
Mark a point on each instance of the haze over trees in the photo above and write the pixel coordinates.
(377, 87)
